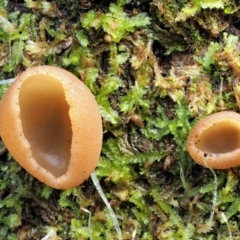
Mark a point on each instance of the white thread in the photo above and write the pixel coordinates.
(112, 214)
(89, 221)
(134, 233)
(214, 204)
(50, 234)
(7, 81)
(228, 226)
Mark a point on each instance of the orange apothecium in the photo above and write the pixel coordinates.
(215, 141)
(51, 124)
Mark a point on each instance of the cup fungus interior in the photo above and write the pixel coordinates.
(44, 113)
(221, 137)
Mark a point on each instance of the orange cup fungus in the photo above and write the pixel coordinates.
(51, 124)
(215, 141)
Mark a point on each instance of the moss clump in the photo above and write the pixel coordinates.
(155, 67)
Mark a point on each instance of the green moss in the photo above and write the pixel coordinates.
(155, 68)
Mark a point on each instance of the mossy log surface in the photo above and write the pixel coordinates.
(155, 68)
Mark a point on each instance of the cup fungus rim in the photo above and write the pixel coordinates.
(208, 159)
(83, 120)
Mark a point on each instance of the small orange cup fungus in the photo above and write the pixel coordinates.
(51, 124)
(215, 141)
